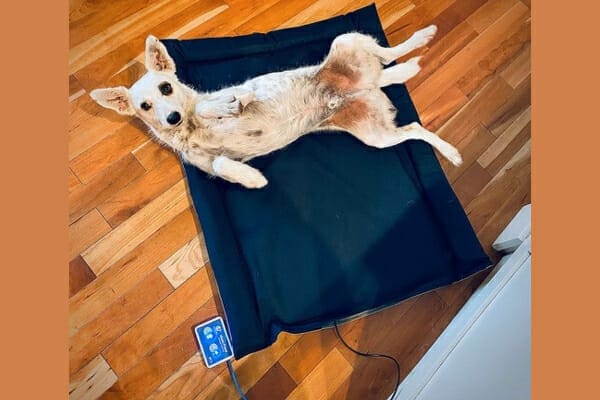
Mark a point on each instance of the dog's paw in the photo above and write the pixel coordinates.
(422, 37)
(222, 109)
(454, 156)
(412, 67)
(255, 181)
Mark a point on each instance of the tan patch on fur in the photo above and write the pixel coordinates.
(350, 114)
(339, 75)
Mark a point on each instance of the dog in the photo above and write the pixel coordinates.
(218, 132)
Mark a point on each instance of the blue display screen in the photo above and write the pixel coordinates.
(214, 342)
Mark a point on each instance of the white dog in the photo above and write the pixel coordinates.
(217, 132)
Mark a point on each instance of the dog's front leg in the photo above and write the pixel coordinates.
(238, 172)
(224, 104)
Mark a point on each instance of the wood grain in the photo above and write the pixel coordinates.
(86, 231)
(275, 384)
(129, 348)
(187, 381)
(80, 275)
(117, 318)
(92, 380)
(129, 271)
(164, 360)
(137, 194)
(324, 380)
(112, 179)
(185, 262)
(136, 229)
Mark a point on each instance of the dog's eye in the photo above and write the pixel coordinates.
(165, 88)
(145, 106)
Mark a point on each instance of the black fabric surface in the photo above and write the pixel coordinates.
(342, 228)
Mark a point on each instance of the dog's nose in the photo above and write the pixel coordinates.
(174, 118)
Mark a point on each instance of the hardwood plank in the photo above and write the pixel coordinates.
(99, 19)
(107, 151)
(499, 120)
(324, 379)
(123, 30)
(505, 138)
(470, 147)
(455, 14)
(443, 108)
(470, 183)
(307, 352)
(417, 316)
(276, 384)
(477, 49)
(134, 344)
(416, 18)
(519, 68)
(92, 380)
(486, 102)
(367, 334)
(141, 191)
(489, 13)
(99, 66)
(75, 88)
(249, 370)
(80, 275)
(518, 169)
(137, 229)
(509, 208)
(318, 10)
(112, 179)
(392, 11)
(185, 262)
(272, 17)
(151, 154)
(511, 149)
(86, 305)
(86, 231)
(187, 381)
(170, 354)
(504, 50)
(73, 183)
(93, 337)
(90, 123)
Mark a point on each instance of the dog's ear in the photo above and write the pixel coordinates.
(116, 98)
(157, 58)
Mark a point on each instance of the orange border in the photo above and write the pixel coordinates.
(34, 209)
(565, 199)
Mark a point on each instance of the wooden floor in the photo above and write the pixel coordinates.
(138, 278)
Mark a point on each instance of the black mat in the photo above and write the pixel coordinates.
(341, 229)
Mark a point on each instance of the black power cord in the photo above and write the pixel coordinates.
(374, 355)
(235, 381)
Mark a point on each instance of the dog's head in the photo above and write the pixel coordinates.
(157, 98)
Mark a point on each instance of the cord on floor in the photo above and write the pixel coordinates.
(374, 355)
(235, 381)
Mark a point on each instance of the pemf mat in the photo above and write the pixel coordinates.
(342, 229)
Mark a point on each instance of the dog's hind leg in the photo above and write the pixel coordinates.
(415, 131)
(417, 40)
(371, 120)
(400, 73)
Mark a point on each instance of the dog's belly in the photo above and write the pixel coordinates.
(287, 105)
